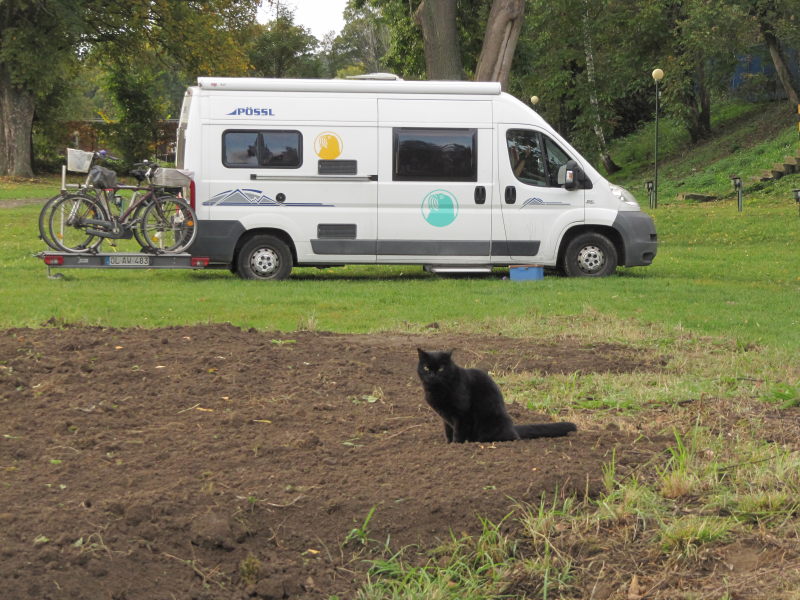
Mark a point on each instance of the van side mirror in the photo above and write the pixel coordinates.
(566, 177)
(571, 176)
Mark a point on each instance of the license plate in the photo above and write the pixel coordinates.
(128, 261)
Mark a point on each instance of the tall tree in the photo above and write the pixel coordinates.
(707, 36)
(41, 41)
(364, 40)
(773, 16)
(283, 48)
(437, 18)
(599, 129)
(37, 42)
(500, 41)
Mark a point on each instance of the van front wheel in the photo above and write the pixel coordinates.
(264, 257)
(590, 255)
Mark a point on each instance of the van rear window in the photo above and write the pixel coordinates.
(422, 154)
(263, 149)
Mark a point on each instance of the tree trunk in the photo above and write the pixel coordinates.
(500, 41)
(699, 108)
(779, 60)
(609, 164)
(440, 37)
(16, 124)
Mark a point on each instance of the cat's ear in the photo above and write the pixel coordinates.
(421, 352)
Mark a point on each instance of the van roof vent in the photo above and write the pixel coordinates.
(376, 77)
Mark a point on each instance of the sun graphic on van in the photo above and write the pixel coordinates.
(440, 208)
(328, 145)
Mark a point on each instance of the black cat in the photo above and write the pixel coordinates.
(471, 404)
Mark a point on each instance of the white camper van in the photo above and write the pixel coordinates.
(451, 175)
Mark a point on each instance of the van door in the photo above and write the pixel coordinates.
(435, 182)
(536, 209)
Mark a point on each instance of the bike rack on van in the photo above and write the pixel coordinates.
(119, 260)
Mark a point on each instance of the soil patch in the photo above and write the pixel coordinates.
(213, 462)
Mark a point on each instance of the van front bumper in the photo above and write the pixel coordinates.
(638, 238)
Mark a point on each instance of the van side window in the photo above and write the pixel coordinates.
(422, 154)
(270, 149)
(526, 156)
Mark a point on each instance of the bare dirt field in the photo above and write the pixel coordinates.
(211, 462)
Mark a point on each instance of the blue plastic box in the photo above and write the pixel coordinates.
(526, 272)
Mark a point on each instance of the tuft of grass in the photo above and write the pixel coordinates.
(473, 568)
(250, 568)
(684, 536)
(359, 536)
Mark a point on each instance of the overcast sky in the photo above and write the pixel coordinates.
(320, 16)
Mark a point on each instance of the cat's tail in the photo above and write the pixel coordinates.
(528, 432)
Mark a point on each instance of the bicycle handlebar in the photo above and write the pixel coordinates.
(103, 154)
(144, 170)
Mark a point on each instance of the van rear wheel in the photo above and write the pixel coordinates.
(264, 257)
(590, 255)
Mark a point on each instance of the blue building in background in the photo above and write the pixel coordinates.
(755, 78)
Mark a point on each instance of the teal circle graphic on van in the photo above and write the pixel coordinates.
(440, 208)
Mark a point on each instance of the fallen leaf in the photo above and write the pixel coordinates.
(634, 589)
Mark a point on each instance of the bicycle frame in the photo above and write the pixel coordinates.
(153, 215)
(121, 225)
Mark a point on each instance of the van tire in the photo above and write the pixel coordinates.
(590, 255)
(264, 257)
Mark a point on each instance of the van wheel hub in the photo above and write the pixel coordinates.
(591, 259)
(265, 261)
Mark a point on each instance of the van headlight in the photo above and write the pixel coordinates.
(624, 196)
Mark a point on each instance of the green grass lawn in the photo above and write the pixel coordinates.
(718, 272)
(720, 304)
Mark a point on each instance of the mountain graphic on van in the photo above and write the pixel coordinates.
(440, 208)
(540, 202)
(251, 197)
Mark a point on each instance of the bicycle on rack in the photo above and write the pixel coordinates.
(160, 222)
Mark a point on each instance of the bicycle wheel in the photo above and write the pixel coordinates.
(135, 221)
(67, 226)
(44, 222)
(168, 225)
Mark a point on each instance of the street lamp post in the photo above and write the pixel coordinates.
(658, 75)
